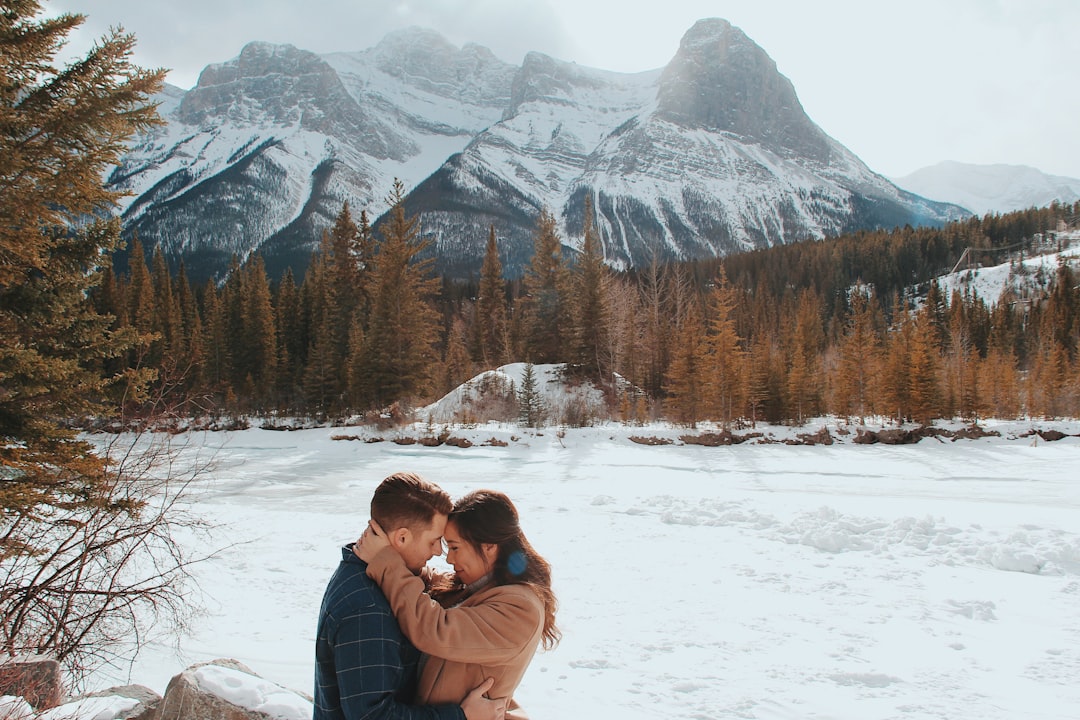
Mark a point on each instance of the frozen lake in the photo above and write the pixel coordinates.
(936, 580)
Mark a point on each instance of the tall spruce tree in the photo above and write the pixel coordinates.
(588, 300)
(490, 325)
(61, 129)
(725, 368)
(399, 348)
(545, 308)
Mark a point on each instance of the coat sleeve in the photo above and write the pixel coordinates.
(491, 632)
(369, 673)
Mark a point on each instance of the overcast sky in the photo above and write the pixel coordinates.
(903, 84)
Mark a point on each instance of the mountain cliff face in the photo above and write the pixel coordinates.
(711, 154)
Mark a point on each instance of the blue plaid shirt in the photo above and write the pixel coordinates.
(364, 666)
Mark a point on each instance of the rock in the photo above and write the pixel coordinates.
(35, 678)
(228, 690)
(821, 437)
(897, 437)
(973, 432)
(129, 702)
(724, 437)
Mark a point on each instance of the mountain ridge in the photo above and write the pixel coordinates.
(711, 154)
(997, 187)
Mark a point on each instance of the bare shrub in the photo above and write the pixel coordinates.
(90, 584)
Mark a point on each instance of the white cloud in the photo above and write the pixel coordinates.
(902, 84)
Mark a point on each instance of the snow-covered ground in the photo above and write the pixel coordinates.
(936, 580)
(1031, 274)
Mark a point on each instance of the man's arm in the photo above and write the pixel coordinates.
(367, 656)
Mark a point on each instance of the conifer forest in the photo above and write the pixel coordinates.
(853, 327)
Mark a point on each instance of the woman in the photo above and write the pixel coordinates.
(487, 619)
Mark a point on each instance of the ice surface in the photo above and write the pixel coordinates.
(760, 580)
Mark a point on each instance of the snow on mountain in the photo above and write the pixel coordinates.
(711, 154)
(986, 189)
(262, 153)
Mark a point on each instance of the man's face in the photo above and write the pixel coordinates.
(419, 547)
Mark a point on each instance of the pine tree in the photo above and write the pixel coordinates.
(456, 367)
(545, 307)
(291, 341)
(490, 324)
(587, 298)
(724, 372)
(530, 402)
(895, 372)
(924, 361)
(804, 378)
(399, 348)
(60, 130)
(855, 382)
(257, 351)
(686, 377)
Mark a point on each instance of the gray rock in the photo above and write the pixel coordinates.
(236, 694)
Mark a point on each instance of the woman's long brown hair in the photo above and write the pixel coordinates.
(489, 517)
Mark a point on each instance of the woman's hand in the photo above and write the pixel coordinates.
(371, 542)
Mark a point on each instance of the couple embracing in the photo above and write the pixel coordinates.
(398, 640)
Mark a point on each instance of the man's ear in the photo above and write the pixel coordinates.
(400, 537)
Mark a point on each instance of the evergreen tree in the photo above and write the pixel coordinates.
(686, 378)
(544, 311)
(490, 323)
(457, 366)
(530, 402)
(257, 349)
(805, 374)
(587, 298)
(60, 130)
(724, 373)
(399, 348)
(924, 385)
(855, 382)
(291, 341)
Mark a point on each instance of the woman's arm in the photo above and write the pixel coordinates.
(493, 631)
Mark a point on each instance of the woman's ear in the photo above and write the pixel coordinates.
(491, 552)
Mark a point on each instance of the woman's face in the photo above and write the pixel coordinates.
(469, 564)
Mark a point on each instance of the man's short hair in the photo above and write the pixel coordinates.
(407, 500)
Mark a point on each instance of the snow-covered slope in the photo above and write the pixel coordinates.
(711, 154)
(984, 189)
(262, 153)
(1024, 276)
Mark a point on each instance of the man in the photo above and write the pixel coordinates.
(364, 666)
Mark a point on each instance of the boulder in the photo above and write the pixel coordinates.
(35, 678)
(228, 690)
(129, 702)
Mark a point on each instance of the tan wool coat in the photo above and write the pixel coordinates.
(493, 633)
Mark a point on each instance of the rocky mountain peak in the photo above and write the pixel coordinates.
(280, 86)
(542, 77)
(425, 59)
(722, 80)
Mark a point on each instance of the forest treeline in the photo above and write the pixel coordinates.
(850, 326)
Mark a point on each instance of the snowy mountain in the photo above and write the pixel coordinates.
(710, 155)
(984, 189)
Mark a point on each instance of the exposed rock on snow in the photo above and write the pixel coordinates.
(228, 690)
